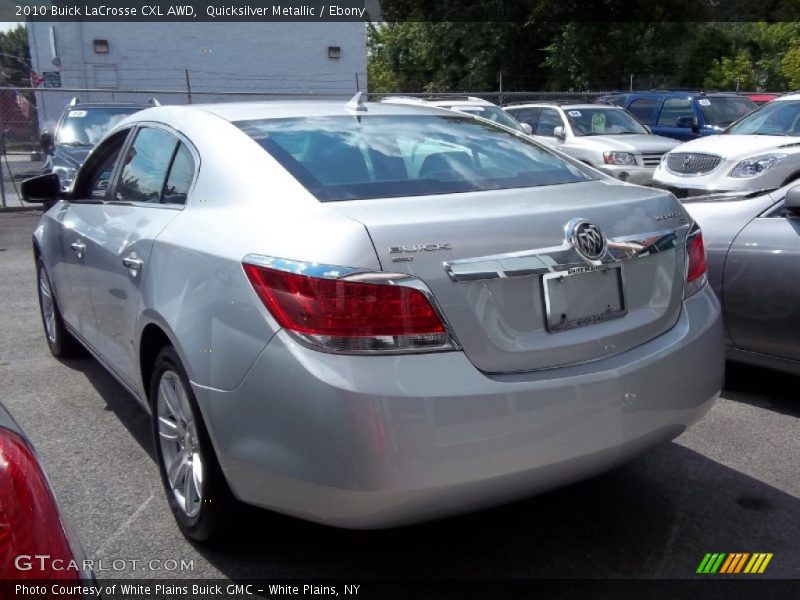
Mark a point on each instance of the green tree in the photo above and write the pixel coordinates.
(790, 67)
(756, 59)
(15, 57)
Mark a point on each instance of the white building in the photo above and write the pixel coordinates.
(266, 57)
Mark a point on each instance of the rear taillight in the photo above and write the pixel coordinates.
(696, 264)
(355, 313)
(33, 544)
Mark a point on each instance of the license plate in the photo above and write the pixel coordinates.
(583, 296)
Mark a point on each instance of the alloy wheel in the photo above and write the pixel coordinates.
(179, 443)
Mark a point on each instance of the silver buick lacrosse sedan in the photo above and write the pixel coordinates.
(368, 314)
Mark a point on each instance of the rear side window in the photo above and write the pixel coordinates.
(644, 109)
(673, 109)
(145, 166)
(359, 157)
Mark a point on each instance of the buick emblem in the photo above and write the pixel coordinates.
(587, 238)
(687, 160)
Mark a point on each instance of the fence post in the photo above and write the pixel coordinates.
(2, 179)
(500, 97)
(188, 86)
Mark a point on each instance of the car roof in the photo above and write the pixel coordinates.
(83, 105)
(445, 100)
(583, 106)
(673, 93)
(789, 96)
(282, 109)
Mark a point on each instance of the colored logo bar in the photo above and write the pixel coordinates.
(733, 563)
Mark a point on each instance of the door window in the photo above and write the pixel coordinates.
(643, 109)
(145, 167)
(93, 179)
(673, 109)
(526, 115)
(548, 121)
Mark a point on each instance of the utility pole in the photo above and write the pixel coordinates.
(500, 98)
(188, 86)
(631, 81)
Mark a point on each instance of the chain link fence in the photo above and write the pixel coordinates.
(27, 113)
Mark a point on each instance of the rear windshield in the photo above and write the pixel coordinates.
(359, 157)
(85, 126)
(724, 110)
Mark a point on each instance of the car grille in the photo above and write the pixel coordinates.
(689, 163)
(651, 159)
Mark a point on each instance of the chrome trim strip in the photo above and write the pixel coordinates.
(561, 258)
(299, 267)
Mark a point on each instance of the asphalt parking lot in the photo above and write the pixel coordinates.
(730, 484)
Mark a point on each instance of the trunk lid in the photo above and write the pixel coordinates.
(501, 321)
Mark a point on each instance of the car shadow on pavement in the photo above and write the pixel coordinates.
(654, 517)
(118, 400)
(763, 388)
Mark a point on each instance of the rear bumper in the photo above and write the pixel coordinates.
(368, 442)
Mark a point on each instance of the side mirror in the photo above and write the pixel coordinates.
(792, 200)
(43, 189)
(46, 142)
(559, 133)
(527, 128)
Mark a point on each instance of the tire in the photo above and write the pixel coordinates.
(60, 341)
(185, 455)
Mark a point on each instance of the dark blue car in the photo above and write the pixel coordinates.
(683, 115)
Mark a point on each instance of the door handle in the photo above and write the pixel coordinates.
(78, 248)
(132, 262)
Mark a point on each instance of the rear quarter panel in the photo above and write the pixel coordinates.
(243, 202)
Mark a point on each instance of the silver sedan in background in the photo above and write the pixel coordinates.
(608, 138)
(372, 314)
(753, 245)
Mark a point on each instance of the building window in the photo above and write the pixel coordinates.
(101, 46)
(334, 52)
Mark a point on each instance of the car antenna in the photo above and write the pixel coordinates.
(74, 101)
(155, 102)
(357, 103)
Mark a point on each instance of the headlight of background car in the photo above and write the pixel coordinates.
(619, 158)
(750, 167)
(66, 176)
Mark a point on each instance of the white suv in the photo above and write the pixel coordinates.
(759, 152)
(471, 105)
(606, 137)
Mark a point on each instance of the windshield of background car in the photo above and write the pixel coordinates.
(86, 126)
(775, 118)
(492, 113)
(602, 121)
(724, 110)
(358, 157)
